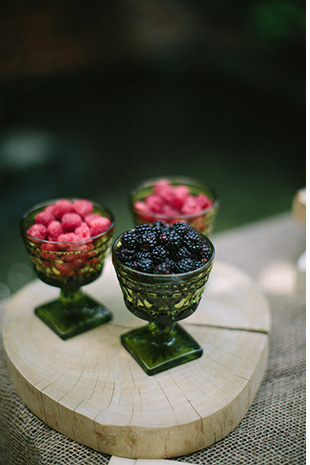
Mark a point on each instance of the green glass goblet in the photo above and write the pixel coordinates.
(69, 266)
(162, 300)
(202, 221)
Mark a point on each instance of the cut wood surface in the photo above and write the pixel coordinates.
(90, 389)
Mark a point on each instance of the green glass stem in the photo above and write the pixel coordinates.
(158, 347)
(73, 313)
(161, 332)
(71, 299)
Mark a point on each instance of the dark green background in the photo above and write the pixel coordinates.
(216, 92)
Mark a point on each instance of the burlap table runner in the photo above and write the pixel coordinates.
(273, 431)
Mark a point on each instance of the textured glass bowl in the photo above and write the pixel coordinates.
(162, 300)
(202, 221)
(69, 266)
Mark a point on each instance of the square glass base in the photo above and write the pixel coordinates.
(70, 320)
(155, 357)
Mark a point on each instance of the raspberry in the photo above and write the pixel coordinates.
(154, 203)
(99, 226)
(68, 237)
(170, 201)
(83, 207)
(38, 231)
(50, 209)
(54, 229)
(83, 231)
(179, 196)
(61, 207)
(203, 201)
(45, 218)
(144, 212)
(139, 205)
(190, 206)
(70, 221)
(169, 211)
(164, 189)
(90, 218)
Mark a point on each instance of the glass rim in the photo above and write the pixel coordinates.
(186, 180)
(51, 202)
(159, 275)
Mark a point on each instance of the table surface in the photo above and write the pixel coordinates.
(273, 431)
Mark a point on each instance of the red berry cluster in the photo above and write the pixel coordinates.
(68, 221)
(172, 201)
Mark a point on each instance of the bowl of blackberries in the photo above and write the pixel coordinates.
(162, 270)
(175, 199)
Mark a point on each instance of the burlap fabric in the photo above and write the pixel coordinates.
(273, 431)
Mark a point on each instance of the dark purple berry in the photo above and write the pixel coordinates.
(163, 268)
(159, 254)
(187, 264)
(183, 252)
(174, 241)
(145, 265)
(143, 255)
(129, 239)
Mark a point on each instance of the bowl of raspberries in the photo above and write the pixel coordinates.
(67, 241)
(162, 270)
(173, 200)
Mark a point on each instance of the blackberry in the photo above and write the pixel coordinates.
(174, 240)
(159, 254)
(163, 235)
(133, 264)
(143, 228)
(124, 254)
(191, 236)
(158, 225)
(192, 242)
(143, 255)
(183, 252)
(164, 268)
(187, 264)
(163, 249)
(205, 250)
(181, 227)
(147, 240)
(145, 265)
(129, 239)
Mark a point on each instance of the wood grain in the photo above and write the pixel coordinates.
(90, 389)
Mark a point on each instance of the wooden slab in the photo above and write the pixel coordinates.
(90, 389)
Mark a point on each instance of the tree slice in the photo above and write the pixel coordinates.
(90, 389)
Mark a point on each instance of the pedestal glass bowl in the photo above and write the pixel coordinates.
(69, 266)
(202, 221)
(162, 300)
